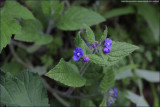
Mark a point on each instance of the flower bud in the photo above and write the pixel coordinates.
(106, 50)
(86, 59)
(93, 45)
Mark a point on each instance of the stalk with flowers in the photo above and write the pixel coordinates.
(103, 53)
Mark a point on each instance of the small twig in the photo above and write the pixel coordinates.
(67, 2)
(55, 94)
(16, 56)
(50, 26)
(69, 96)
(19, 44)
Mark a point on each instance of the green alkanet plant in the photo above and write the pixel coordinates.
(103, 53)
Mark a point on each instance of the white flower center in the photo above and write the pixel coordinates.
(78, 54)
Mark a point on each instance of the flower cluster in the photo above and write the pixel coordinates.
(107, 44)
(78, 53)
(112, 95)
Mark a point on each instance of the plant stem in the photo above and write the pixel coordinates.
(82, 71)
(50, 26)
(55, 94)
(16, 56)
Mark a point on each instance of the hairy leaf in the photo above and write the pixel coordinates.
(75, 18)
(107, 81)
(119, 51)
(104, 34)
(65, 74)
(26, 89)
(90, 35)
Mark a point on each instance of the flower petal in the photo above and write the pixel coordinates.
(76, 58)
(75, 52)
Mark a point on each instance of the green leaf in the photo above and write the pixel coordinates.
(32, 32)
(119, 51)
(90, 35)
(97, 59)
(79, 42)
(9, 25)
(138, 100)
(52, 7)
(108, 80)
(26, 89)
(151, 15)
(87, 103)
(104, 34)
(12, 67)
(66, 75)
(104, 102)
(150, 76)
(13, 9)
(118, 12)
(75, 18)
(125, 71)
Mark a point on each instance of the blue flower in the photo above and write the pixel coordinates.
(78, 53)
(115, 92)
(106, 50)
(86, 59)
(109, 103)
(112, 96)
(107, 44)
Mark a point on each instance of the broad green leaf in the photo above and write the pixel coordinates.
(118, 12)
(13, 9)
(65, 74)
(108, 80)
(119, 51)
(150, 76)
(92, 74)
(151, 15)
(32, 32)
(75, 18)
(104, 34)
(9, 25)
(138, 100)
(26, 89)
(97, 59)
(90, 35)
